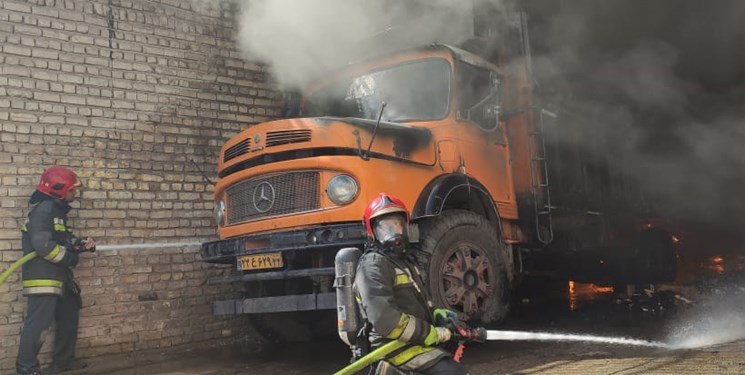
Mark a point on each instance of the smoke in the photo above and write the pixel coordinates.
(299, 39)
(665, 81)
(302, 39)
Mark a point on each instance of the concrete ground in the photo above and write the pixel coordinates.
(713, 324)
(491, 358)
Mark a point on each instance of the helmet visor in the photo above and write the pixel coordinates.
(389, 226)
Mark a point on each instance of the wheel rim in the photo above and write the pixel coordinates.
(465, 278)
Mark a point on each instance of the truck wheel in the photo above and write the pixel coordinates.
(467, 271)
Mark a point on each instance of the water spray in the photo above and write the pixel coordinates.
(147, 246)
(499, 335)
(26, 258)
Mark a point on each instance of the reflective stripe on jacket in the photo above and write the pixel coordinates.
(47, 233)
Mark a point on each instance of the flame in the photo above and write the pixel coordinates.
(716, 264)
(587, 292)
(572, 297)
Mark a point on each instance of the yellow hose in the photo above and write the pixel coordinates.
(372, 357)
(4, 276)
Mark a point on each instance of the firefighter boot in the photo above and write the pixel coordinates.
(75, 364)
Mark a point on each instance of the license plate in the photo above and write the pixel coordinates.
(260, 262)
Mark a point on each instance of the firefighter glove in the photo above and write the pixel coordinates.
(80, 245)
(437, 335)
(445, 317)
(77, 245)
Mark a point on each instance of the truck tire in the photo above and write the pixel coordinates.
(467, 272)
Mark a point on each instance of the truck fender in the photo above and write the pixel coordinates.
(455, 191)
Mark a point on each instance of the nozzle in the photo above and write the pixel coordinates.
(477, 334)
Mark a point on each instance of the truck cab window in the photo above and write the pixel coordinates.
(478, 97)
(413, 91)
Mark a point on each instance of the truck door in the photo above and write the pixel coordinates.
(480, 103)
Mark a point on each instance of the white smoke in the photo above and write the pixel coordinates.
(302, 39)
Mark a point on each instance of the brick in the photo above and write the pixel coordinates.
(99, 102)
(47, 97)
(45, 11)
(22, 117)
(45, 54)
(28, 30)
(16, 71)
(52, 119)
(17, 7)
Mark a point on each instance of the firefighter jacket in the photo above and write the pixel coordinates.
(47, 233)
(394, 300)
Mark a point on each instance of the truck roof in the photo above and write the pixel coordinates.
(459, 54)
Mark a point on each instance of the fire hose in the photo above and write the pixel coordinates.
(26, 258)
(370, 358)
(460, 334)
(4, 276)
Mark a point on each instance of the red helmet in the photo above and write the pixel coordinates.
(57, 181)
(381, 205)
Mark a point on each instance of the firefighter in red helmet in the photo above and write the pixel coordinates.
(393, 298)
(48, 280)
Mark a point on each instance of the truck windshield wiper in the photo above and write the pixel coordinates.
(366, 155)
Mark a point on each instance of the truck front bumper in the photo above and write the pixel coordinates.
(337, 235)
(295, 247)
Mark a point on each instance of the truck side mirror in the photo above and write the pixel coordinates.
(496, 98)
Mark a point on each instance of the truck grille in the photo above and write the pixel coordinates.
(284, 137)
(235, 151)
(276, 195)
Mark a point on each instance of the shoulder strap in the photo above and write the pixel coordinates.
(416, 278)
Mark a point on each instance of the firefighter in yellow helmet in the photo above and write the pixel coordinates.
(393, 298)
(48, 280)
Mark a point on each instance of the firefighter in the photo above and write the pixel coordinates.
(393, 298)
(48, 281)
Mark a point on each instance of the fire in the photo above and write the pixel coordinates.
(586, 292)
(716, 264)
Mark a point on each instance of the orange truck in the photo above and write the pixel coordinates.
(496, 189)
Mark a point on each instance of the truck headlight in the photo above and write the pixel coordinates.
(219, 212)
(342, 189)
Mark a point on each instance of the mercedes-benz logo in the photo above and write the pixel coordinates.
(263, 197)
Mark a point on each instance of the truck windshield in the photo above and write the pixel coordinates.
(414, 91)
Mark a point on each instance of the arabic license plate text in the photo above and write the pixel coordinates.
(260, 262)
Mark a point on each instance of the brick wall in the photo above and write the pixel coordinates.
(126, 93)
